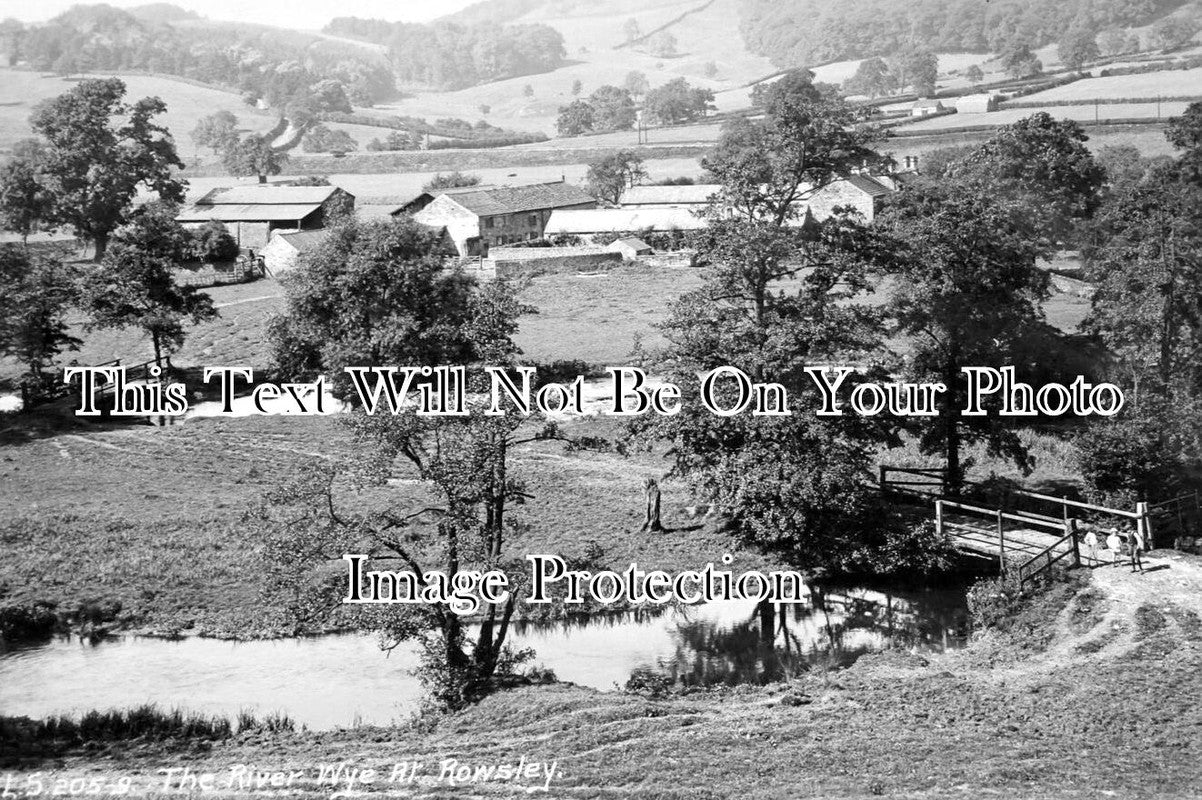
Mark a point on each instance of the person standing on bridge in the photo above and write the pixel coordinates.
(1114, 544)
(1136, 540)
(1091, 546)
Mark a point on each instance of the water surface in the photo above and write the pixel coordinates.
(343, 680)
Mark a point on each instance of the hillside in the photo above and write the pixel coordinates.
(187, 102)
(804, 32)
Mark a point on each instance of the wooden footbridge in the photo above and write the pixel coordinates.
(1026, 531)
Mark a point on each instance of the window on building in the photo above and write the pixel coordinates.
(534, 220)
(489, 222)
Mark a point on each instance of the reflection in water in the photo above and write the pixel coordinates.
(834, 628)
(331, 681)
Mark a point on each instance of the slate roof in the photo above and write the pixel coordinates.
(868, 185)
(267, 194)
(248, 212)
(488, 201)
(303, 240)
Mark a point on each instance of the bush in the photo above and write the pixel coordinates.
(648, 683)
(27, 621)
(1127, 460)
(213, 242)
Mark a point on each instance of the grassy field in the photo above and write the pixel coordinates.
(1089, 691)
(376, 188)
(592, 318)
(21, 90)
(1152, 84)
(167, 539)
(1006, 116)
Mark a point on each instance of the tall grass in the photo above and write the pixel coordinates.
(143, 722)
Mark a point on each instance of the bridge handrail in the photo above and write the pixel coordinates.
(1045, 554)
(1047, 522)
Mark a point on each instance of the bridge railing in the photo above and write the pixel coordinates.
(1066, 546)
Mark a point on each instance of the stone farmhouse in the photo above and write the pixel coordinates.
(861, 192)
(479, 217)
(254, 213)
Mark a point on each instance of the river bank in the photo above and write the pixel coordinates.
(1090, 690)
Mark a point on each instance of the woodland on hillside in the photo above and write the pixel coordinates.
(808, 32)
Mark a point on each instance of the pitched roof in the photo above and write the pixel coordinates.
(490, 200)
(868, 185)
(267, 194)
(303, 240)
(248, 212)
(695, 194)
(617, 220)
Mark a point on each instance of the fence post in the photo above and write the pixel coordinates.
(1070, 529)
(883, 468)
(1142, 510)
(1001, 543)
(939, 517)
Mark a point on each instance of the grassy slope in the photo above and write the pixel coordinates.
(152, 516)
(20, 91)
(1091, 691)
(591, 33)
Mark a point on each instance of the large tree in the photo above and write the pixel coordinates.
(676, 102)
(782, 294)
(1042, 166)
(35, 294)
(218, 131)
(872, 78)
(1079, 45)
(99, 151)
(373, 293)
(807, 138)
(576, 118)
(610, 176)
(613, 107)
(254, 155)
(134, 286)
(25, 203)
(966, 292)
(377, 293)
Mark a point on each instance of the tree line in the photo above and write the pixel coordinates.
(271, 65)
(615, 108)
(808, 32)
(448, 55)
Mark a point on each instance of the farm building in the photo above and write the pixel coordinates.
(924, 107)
(630, 248)
(285, 247)
(480, 217)
(591, 222)
(253, 213)
(861, 192)
(976, 104)
(696, 196)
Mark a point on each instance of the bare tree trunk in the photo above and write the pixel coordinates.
(652, 522)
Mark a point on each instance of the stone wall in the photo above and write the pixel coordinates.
(509, 262)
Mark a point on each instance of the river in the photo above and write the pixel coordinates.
(345, 680)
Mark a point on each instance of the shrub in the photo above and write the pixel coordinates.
(213, 242)
(648, 683)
